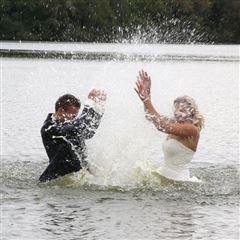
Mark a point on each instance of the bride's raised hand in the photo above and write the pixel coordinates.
(143, 85)
(146, 81)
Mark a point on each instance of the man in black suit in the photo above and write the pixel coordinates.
(64, 133)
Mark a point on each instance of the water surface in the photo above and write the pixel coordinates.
(123, 200)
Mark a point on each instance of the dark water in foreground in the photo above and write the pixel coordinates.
(148, 211)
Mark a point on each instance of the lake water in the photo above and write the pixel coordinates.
(123, 200)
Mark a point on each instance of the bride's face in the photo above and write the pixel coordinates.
(182, 111)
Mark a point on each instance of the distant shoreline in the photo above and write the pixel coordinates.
(110, 56)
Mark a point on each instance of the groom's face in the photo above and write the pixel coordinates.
(69, 113)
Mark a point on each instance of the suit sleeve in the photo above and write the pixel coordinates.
(88, 122)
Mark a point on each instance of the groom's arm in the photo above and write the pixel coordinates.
(90, 118)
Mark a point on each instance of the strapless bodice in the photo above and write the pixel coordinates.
(175, 153)
(176, 160)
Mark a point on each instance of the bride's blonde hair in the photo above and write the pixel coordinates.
(194, 115)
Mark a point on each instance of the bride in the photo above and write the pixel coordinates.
(183, 131)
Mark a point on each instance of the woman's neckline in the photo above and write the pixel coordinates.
(187, 148)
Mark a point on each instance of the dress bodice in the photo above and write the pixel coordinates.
(176, 159)
(175, 153)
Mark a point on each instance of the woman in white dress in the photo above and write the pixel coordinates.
(183, 131)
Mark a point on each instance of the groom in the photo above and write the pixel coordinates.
(64, 134)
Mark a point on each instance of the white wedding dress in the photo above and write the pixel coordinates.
(176, 160)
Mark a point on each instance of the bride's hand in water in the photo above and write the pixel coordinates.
(143, 86)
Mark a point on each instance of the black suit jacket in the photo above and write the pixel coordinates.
(65, 142)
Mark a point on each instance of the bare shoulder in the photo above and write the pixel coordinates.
(189, 142)
(184, 130)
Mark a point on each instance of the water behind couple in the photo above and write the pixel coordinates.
(64, 132)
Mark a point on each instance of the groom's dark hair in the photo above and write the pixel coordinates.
(66, 101)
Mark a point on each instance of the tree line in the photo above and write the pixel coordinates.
(144, 21)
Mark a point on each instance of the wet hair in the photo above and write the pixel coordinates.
(194, 115)
(66, 101)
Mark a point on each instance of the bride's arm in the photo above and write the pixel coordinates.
(161, 122)
(168, 126)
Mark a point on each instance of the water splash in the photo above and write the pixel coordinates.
(143, 178)
(172, 30)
